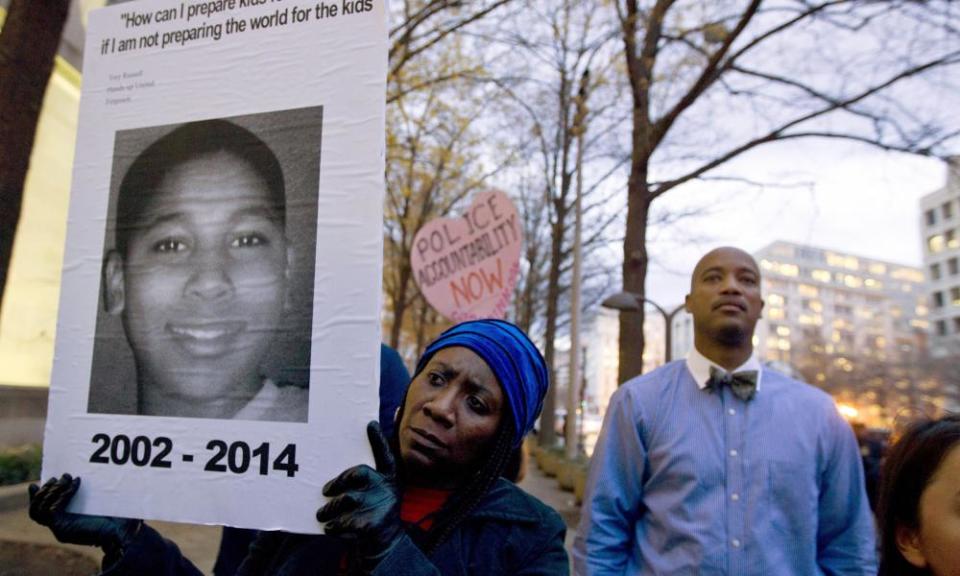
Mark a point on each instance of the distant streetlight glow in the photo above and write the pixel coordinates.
(847, 411)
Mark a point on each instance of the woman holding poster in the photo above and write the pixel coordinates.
(442, 509)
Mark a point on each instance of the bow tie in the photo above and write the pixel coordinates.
(742, 384)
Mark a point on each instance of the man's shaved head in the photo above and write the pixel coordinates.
(709, 256)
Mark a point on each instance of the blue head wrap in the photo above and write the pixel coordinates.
(514, 360)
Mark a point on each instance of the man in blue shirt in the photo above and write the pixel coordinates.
(714, 465)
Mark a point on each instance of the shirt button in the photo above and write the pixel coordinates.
(735, 497)
(733, 453)
(736, 543)
(731, 411)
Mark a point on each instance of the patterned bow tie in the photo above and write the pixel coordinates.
(742, 384)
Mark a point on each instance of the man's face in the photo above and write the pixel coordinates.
(203, 283)
(725, 297)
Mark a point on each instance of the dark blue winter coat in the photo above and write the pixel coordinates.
(509, 533)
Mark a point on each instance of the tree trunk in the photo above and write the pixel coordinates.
(28, 45)
(639, 63)
(400, 303)
(548, 436)
(422, 323)
(634, 276)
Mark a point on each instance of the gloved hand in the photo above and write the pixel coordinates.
(365, 505)
(48, 507)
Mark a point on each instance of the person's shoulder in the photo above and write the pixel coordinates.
(797, 393)
(290, 404)
(784, 384)
(507, 501)
(655, 382)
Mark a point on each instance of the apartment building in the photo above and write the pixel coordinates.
(940, 228)
(855, 326)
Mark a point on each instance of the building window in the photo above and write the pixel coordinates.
(938, 299)
(953, 267)
(941, 328)
(935, 243)
(931, 216)
(947, 210)
(934, 271)
(951, 239)
(821, 275)
(842, 310)
(956, 324)
(955, 295)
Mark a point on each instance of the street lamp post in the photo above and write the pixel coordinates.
(632, 302)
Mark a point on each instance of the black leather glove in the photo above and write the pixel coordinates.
(365, 505)
(48, 507)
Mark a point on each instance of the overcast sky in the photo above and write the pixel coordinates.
(851, 199)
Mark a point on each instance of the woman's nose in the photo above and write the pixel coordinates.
(441, 407)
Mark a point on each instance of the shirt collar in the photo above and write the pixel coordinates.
(699, 367)
(258, 406)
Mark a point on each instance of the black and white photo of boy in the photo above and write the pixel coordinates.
(201, 274)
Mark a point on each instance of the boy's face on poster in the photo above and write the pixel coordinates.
(203, 283)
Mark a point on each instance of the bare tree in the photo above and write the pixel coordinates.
(711, 81)
(28, 45)
(545, 82)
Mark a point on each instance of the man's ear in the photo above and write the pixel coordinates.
(908, 542)
(114, 294)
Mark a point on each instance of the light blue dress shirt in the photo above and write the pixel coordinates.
(686, 480)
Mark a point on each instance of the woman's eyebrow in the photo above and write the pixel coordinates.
(477, 388)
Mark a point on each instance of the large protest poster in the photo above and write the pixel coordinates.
(217, 351)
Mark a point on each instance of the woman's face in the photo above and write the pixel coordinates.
(936, 545)
(452, 413)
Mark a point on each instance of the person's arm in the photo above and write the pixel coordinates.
(613, 500)
(130, 546)
(845, 532)
(149, 554)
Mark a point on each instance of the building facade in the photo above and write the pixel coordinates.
(856, 327)
(940, 228)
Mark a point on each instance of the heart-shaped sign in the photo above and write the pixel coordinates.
(467, 267)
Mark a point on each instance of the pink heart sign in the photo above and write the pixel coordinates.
(467, 267)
